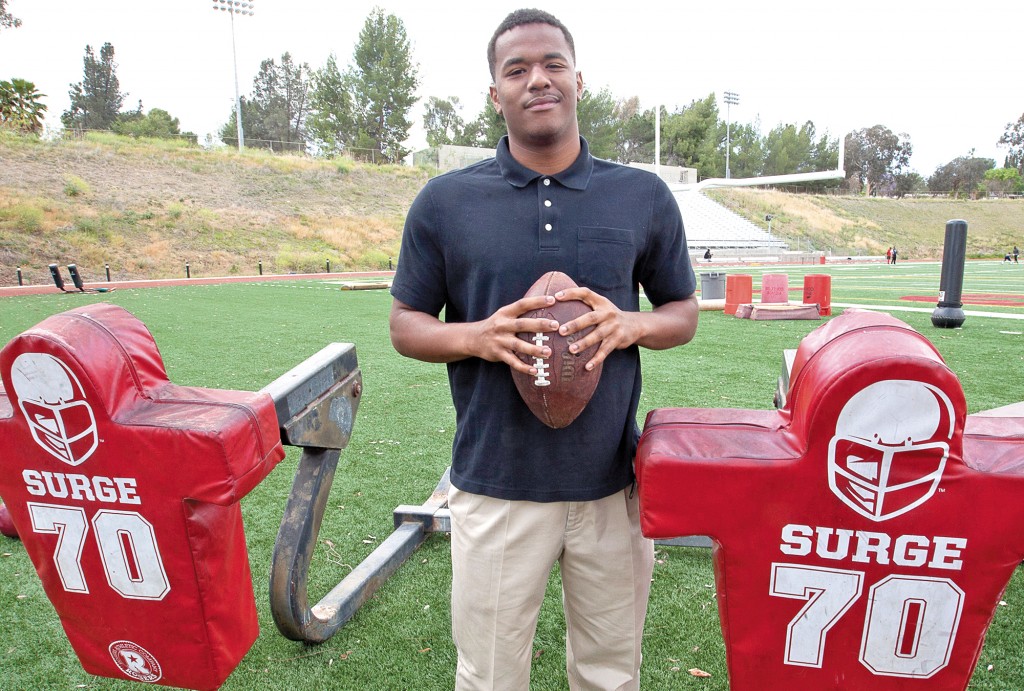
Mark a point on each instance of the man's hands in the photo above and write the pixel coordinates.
(613, 328)
(424, 337)
(496, 341)
(668, 325)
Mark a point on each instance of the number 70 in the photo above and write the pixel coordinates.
(909, 629)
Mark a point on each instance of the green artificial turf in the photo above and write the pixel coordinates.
(242, 336)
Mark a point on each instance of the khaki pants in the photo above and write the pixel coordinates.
(502, 555)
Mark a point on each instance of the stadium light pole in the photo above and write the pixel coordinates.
(731, 99)
(233, 7)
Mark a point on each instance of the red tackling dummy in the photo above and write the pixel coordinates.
(862, 536)
(125, 489)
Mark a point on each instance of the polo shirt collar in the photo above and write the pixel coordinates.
(575, 177)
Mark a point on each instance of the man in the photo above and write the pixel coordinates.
(523, 495)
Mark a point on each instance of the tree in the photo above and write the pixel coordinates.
(747, 159)
(276, 114)
(635, 141)
(383, 88)
(442, 122)
(331, 121)
(691, 138)
(20, 106)
(7, 21)
(874, 157)
(824, 153)
(488, 128)
(97, 99)
(254, 129)
(598, 122)
(1013, 138)
(157, 123)
(790, 150)
(962, 176)
(908, 183)
(1000, 181)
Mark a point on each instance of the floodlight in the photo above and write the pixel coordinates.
(75, 277)
(57, 280)
(246, 9)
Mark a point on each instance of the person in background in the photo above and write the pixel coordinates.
(524, 496)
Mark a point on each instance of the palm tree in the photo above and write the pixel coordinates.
(20, 106)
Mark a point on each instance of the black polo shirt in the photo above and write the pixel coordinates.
(475, 240)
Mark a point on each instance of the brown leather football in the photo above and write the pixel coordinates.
(562, 387)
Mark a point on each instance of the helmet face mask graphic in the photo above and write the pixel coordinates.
(53, 403)
(890, 448)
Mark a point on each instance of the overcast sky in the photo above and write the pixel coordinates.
(946, 74)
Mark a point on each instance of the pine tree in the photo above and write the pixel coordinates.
(97, 99)
(383, 88)
(275, 117)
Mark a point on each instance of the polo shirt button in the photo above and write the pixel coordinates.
(546, 181)
(547, 226)
(547, 202)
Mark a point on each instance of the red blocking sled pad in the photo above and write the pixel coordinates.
(124, 488)
(863, 534)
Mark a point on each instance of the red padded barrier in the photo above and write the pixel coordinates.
(125, 488)
(862, 538)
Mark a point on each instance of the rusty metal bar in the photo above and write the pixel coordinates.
(316, 404)
(297, 540)
(316, 400)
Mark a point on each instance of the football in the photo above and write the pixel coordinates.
(6, 523)
(562, 387)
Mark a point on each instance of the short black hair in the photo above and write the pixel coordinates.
(519, 18)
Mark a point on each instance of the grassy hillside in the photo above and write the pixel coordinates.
(145, 208)
(869, 225)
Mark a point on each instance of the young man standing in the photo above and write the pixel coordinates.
(525, 496)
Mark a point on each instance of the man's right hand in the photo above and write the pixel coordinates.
(496, 341)
(425, 337)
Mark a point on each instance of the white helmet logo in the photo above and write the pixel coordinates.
(890, 447)
(53, 403)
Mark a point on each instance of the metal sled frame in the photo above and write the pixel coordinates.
(316, 408)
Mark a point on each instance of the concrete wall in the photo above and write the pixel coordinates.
(671, 174)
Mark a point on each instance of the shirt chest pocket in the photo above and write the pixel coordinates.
(606, 257)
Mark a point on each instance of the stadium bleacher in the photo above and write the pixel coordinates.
(711, 225)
